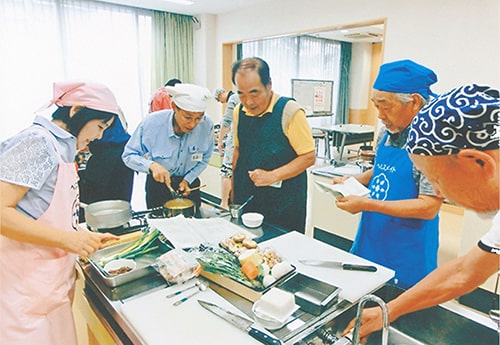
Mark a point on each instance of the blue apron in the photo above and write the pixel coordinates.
(407, 245)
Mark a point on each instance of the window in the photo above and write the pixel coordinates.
(48, 40)
(298, 57)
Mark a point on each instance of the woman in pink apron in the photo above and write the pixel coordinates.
(40, 237)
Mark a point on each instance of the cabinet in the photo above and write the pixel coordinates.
(90, 329)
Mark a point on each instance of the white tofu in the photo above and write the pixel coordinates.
(277, 303)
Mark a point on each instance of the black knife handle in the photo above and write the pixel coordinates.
(263, 337)
(359, 268)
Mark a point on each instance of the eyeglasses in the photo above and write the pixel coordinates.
(188, 117)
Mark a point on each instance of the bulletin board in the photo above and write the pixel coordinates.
(315, 96)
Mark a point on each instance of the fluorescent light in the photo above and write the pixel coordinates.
(181, 2)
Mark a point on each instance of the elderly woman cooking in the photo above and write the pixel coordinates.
(39, 229)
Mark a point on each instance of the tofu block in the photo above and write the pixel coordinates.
(277, 303)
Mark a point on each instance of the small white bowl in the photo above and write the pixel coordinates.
(252, 219)
(119, 263)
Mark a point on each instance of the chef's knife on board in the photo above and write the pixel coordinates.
(240, 322)
(338, 264)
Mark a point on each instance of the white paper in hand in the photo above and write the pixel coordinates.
(351, 186)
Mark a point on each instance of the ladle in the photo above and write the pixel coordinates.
(201, 287)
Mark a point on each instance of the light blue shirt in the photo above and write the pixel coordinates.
(154, 140)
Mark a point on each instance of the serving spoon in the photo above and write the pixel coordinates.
(201, 287)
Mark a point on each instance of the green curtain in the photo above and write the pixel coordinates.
(342, 115)
(172, 48)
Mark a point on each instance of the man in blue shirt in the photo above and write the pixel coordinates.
(173, 146)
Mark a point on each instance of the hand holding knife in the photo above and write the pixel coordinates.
(338, 264)
(240, 322)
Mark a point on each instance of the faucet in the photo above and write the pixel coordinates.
(385, 318)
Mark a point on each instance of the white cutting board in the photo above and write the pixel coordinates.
(157, 322)
(294, 246)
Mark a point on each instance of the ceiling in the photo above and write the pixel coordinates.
(372, 33)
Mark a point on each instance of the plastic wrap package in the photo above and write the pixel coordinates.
(177, 266)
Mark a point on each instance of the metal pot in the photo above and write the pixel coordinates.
(108, 214)
(178, 206)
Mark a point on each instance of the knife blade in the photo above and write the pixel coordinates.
(240, 322)
(338, 264)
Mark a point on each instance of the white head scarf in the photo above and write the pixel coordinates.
(189, 97)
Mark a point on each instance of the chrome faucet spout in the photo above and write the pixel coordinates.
(385, 318)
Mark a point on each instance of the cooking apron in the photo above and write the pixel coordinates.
(37, 282)
(264, 145)
(407, 245)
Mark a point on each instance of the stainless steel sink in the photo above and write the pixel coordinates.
(437, 325)
(395, 338)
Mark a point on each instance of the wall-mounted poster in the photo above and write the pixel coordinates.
(314, 95)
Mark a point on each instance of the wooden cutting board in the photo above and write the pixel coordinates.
(157, 322)
(294, 246)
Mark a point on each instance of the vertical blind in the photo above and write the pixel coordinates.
(298, 57)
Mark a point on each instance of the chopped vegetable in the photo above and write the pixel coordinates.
(250, 270)
(141, 246)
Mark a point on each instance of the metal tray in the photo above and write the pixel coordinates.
(144, 264)
(312, 295)
(251, 293)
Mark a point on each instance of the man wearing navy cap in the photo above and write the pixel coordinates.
(399, 224)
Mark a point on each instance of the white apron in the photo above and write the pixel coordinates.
(37, 282)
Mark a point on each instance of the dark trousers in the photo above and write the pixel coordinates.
(157, 194)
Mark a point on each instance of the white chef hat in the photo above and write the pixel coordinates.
(189, 97)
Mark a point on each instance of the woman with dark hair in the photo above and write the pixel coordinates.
(39, 233)
(105, 176)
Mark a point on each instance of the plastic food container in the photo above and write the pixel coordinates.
(177, 266)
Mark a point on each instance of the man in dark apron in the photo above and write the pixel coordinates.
(273, 148)
(399, 223)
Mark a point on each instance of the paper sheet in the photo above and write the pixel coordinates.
(350, 187)
(191, 232)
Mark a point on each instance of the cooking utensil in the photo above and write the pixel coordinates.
(338, 264)
(172, 191)
(179, 206)
(107, 214)
(196, 285)
(240, 322)
(246, 201)
(201, 287)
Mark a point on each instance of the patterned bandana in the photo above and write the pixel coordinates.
(467, 117)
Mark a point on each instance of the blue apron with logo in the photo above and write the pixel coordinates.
(407, 245)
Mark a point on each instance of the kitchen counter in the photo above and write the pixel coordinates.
(111, 304)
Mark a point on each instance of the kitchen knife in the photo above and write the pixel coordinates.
(240, 322)
(338, 264)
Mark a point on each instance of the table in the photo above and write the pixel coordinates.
(346, 134)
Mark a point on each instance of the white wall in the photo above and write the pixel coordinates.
(359, 78)
(458, 39)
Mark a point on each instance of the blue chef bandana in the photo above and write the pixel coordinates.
(463, 118)
(405, 76)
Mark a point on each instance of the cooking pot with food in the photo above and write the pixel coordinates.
(177, 206)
